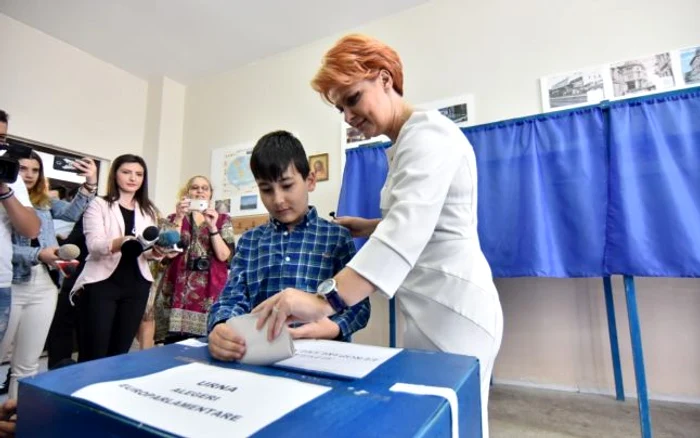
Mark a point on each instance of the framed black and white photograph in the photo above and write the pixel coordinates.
(645, 75)
(572, 89)
(459, 109)
(689, 66)
(354, 137)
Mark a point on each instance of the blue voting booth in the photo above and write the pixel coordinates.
(602, 190)
(353, 407)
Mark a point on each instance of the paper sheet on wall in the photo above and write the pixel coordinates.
(198, 400)
(337, 358)
(233, 180)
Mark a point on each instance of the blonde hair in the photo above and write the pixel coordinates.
(39, 194)
(188, 185)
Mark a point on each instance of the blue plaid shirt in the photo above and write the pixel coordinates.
(270, 258)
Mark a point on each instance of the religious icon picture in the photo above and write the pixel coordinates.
(319, 165)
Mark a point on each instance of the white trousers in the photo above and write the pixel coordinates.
(33, 307)
(480, 344)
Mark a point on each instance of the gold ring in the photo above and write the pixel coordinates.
(275, 309)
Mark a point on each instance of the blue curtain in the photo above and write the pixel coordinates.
(607, 189)
(654, 211)
(365, 171)
(542, 194)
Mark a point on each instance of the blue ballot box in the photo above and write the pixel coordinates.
(363, 407)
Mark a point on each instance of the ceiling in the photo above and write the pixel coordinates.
(188, 39)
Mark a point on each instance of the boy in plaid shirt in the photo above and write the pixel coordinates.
(295, 249)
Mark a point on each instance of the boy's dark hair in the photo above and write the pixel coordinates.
(273, 154)
(3, 116)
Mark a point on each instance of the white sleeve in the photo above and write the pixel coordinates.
(424, 166)
(21, 192)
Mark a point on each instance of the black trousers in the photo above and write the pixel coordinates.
(62, 335)
(110, 315)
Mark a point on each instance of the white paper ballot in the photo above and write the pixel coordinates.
(192, 343)
(259, 351)
(337, 358)
(199, 400)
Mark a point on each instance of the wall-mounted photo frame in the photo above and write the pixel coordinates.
(642, 76)
(351, 137)
(460, 109)
(687, 67)
(319, 165)
(586, 86)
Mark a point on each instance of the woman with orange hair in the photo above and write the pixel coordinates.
(425, 249)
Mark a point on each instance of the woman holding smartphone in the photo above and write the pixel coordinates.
(195, 278)
(34, 292)
(113, 288)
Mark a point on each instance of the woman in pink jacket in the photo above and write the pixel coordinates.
(113, 287)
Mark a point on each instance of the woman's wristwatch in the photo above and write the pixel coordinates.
(328, 290)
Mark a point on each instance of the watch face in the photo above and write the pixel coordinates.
(326, 287)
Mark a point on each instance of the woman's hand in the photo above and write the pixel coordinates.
(118, 242)
(290, 305)
(88, 169)
(210, 217)
(182, 208)
(49, 255)
(324, 328)
(358, 226)
(8, 418)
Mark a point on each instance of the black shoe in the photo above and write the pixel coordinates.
(5, 386)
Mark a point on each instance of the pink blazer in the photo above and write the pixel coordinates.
(103, 223)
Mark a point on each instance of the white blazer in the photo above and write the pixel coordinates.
(103, 223)
(426, 248)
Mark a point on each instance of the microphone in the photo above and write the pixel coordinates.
(148, 237)
(170, 241)
(67, 263)
(68, 252)
(142, 242)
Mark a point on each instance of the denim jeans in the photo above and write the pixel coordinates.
(5, 305)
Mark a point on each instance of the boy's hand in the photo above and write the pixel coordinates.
(225, 343)
(321, 329)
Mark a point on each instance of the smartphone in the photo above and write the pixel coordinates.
(65, 163)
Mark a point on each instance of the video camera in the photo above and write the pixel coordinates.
(11, 151)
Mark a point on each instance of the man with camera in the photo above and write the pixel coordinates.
(16, 212)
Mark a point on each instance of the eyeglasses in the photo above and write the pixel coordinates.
(202, 188)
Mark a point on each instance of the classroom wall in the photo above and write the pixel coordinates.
(62, 96)
(555, 330)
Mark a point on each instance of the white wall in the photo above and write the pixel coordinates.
(60, 95)
(555, 330)
(165, 117)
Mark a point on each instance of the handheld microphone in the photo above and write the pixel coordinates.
(170, 241)
(68, 252)
(67, 263)
(134, 247)
(148, 237)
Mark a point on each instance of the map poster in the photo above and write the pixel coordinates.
(233, 181)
